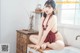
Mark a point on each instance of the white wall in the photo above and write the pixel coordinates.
(14, 15)
(0, 21)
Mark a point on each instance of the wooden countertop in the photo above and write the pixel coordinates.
(27, 32)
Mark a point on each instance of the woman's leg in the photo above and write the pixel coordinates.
(34, 39)
(57, 45)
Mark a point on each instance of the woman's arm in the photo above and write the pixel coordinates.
(52, 23)
(40, 30)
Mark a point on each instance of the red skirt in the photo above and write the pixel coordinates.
(50, 37)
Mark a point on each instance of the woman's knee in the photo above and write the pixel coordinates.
(32, 37)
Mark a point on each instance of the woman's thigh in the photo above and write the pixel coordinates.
(34, 39)
(56, 45)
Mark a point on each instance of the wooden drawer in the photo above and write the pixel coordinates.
(22, 41)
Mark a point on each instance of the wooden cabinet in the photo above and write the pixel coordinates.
(23, 40)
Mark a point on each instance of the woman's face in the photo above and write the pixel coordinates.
(48, 9)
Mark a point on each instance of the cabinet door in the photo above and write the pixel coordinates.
(21, 43)
(19, 51)
(18, 42)
(24, 43)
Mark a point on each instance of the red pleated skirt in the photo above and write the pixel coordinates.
(50, 37)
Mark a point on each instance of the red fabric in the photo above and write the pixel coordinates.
(50, 37)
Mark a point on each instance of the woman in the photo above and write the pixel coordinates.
(49, 35)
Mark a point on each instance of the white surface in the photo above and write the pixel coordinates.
(32, 50)
(65, 50)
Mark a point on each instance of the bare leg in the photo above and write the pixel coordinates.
(34, 39)
(56, 45)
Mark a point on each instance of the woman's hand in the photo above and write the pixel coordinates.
(44, 45)
(36, 47)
